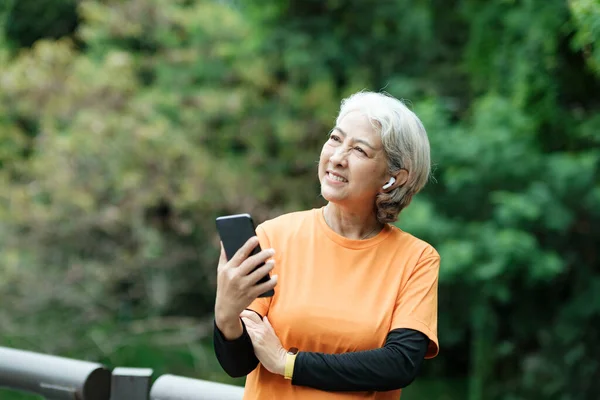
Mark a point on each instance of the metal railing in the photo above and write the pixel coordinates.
(59, 378)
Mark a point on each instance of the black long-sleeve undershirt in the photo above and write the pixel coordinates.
(393, 366)
(236, 356)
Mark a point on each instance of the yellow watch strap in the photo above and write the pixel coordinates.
(289, 365)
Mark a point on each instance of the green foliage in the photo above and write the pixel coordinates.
(120, 143)
(31, 20)
(586, 17)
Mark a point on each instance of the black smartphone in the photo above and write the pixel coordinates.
(235, 230)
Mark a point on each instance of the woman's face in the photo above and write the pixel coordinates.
(353, 166)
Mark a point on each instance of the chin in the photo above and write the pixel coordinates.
(330, 195)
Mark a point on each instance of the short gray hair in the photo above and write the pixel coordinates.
(405, 143)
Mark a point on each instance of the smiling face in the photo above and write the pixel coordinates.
(353, 166)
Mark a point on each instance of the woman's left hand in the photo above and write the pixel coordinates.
(267, 346)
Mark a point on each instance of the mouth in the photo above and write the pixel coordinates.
(332, 176)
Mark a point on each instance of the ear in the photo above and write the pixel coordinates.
(401, 177)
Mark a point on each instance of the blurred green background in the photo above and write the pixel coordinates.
(126, 127)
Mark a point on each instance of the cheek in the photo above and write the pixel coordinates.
(374, 175)
(325, 155)
(322, 164)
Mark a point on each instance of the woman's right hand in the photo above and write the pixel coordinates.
(236, 285)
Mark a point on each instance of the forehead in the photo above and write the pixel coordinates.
(356, 125)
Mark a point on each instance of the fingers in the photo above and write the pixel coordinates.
(259, 289)
(251, 262)
(255, 329)
(257, 274)
(266, 321)
(251, 315)
(250, 325)
(244, 251)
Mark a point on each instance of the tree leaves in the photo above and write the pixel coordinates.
(120, 145)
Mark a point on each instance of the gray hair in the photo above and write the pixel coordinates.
(405, 144)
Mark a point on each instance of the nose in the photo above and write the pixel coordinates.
(339, 157)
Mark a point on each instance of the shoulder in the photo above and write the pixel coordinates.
(416, 246)
(288, 222)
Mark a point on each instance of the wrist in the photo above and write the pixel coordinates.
(281, 362)
(224, 316)
(230, 327)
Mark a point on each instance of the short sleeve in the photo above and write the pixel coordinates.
(261, 305)
(417, 302)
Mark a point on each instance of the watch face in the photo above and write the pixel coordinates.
(293, 350)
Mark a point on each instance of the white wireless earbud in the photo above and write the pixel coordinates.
(390, 183)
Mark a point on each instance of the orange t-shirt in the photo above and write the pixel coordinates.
(337, 295)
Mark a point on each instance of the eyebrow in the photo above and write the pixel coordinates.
(337, 128)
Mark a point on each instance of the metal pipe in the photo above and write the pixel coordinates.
(130, 383)
(55, 378)
(171, 387)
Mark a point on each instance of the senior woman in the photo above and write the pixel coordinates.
(355, 308)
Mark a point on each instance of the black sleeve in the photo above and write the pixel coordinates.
(235, 356)
(391, 367)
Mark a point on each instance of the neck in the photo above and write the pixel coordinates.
(352, 224)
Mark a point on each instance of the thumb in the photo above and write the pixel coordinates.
(266, 321)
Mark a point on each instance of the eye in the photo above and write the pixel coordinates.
(335, 138)
(360, 150)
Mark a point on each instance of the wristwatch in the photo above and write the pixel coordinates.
(290, 358)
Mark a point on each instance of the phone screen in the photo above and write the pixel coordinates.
(235, 230)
